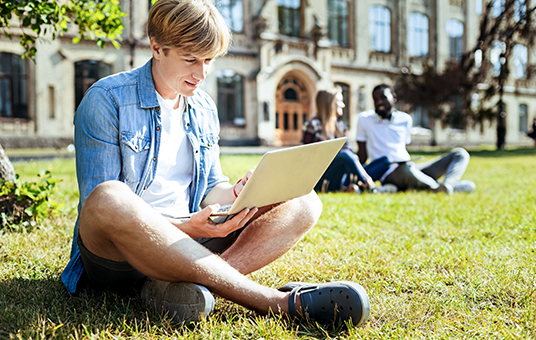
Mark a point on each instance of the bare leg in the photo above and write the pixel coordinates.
(272, 234)
(118, 225)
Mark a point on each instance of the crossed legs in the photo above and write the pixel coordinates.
(117, 225)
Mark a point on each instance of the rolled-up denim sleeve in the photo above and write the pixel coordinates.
(98, 155)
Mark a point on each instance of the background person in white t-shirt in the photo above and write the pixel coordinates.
(146, 153)
(386, 131)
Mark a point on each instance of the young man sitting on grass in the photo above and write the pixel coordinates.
(146, 152)
(385, 132)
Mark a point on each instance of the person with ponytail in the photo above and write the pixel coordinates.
(345, 173)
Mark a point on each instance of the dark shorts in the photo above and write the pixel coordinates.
(106, 274)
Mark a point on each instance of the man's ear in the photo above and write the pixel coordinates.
(156, 49)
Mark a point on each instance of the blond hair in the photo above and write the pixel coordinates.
(327, 114)
(194, 26)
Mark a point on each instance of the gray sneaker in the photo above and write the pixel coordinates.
(183, 301)
(464, 186)
(387, 189)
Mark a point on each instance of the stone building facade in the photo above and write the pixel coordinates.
(283, 51)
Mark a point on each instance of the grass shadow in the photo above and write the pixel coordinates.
(29, 305)
(42, 308)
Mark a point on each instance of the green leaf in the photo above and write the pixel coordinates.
(76, 39)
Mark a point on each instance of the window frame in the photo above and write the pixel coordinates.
(19, 87)
(374, 27)
(297, 27)
(344, 30)
(520, 61)
(523, 119)
(86, 82)
(456, 39)
(418, 33)
(235, 116)
(347, 97)
(229, 14)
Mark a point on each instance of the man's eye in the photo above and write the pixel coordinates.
(208, 61)
(191, 60)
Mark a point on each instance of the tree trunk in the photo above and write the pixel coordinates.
(501, 126)
(7, 172)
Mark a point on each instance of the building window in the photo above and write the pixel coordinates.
(418, 35)
(454, 30)
(523, 118)
(496, 56)
(456, 119)
(338, 22)
(230, 98)
(520, 61)
(345, 89)
(380, 29)
(420, 117)
(86, 73)
(232, 11)
(51, 102)
(497, 8)
(478, 7)
(13, 86)
(520, 10)
(289, 17)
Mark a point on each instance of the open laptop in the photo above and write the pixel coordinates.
(285, 174)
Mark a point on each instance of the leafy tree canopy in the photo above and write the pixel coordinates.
(34, 19)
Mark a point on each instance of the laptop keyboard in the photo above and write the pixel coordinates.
(224, 208)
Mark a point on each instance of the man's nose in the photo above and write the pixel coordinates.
(201, 71)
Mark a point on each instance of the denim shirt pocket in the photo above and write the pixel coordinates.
(208, 146)
(134, 152)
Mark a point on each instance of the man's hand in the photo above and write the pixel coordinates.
(201, 225)
(237, 188)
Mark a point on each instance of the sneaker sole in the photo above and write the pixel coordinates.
(183, 301)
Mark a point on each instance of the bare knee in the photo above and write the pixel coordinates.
(309, 209)
(106, 200)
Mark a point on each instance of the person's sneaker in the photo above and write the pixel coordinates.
(387, 189)
(352, 188)
(183, 301)
(464, 186)
(446, 188)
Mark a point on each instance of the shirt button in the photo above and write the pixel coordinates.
(144, 188)
(157, 108)
(154, 159)
(158, 128)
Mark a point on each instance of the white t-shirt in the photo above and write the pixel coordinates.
(385, 137)
(169, 193)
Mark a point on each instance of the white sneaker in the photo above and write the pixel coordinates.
(387, 189)
(183, 301)
(464, 186)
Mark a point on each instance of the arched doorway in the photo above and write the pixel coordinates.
(292, 109)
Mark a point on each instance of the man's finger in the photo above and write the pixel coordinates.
(208, 211)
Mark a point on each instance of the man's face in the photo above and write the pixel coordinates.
(176, 72)
(384, 102)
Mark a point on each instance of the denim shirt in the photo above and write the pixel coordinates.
(117, 137)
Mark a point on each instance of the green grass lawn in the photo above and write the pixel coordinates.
(435, 266)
